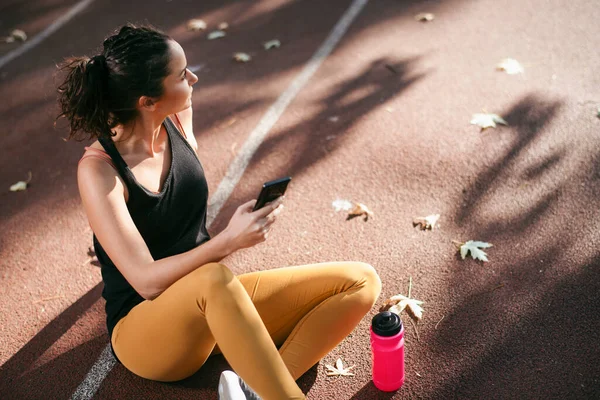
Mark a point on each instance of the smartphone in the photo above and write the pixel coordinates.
(270, 191)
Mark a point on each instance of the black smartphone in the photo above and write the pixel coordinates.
(271, 190)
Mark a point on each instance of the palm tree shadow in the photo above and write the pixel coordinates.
(305, 144)
(529, 117)
(527, 328)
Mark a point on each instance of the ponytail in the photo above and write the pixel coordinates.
(83, 96)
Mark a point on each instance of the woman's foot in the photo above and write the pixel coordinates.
(232, 387)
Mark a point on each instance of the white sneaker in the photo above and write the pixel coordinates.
(229, 387)
(232, 387)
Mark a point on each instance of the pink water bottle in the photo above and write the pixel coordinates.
(387, 351)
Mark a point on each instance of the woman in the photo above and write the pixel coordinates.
(170, 304)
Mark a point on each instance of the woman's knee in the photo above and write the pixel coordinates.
(370, 278)
(211, 275)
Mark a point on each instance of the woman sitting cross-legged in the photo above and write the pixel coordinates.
(170, 304)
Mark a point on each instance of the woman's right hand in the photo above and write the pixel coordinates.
(247, 228)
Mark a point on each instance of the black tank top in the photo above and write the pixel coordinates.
(171, 222)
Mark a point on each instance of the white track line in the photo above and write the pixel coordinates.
(106, 361)
(11, 55)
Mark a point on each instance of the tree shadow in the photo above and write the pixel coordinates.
(528, 117)
(19, 376)
(309, 142)
(525, 321)
(547, 352)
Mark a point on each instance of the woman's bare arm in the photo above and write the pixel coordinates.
(102, 194)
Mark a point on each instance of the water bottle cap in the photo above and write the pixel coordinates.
(386, 323)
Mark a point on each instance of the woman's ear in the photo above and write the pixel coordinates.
(146, 103)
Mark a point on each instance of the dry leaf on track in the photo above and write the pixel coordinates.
(399, 303)
(272, 44)
(216, 35)
(339, 369)
(354, 209)
(487, 120)
(17, 34)
(196, 25)
(223, 26)
(426, 222)
(424, 17)
(510, 66)
(358, 210)
(475, 248)
(21, 185)
(242, 57)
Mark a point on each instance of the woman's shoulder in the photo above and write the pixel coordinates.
(95, 146)
(96, 170)
(96, 158)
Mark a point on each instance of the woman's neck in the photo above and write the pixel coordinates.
(142, 135)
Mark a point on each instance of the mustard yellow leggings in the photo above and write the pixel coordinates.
(307, 310)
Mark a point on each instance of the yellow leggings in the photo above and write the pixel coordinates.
(307, 310)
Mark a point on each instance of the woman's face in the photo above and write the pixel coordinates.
(178, 84)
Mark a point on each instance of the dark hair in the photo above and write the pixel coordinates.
(101, 92)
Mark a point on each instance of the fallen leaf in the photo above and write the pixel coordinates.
(487, 120)
(340, 205)
(272, 44)
(21, 185)
(426, 222)
(339, 369)
(223, 26)
(241, 57)
(510, 66)
(18, 186)
(399, 303)
(196, 25)
(19, 35)
(424, 17)
(475, 248)
(358, 210)
(216, 35)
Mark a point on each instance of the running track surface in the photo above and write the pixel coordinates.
(384, 121)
